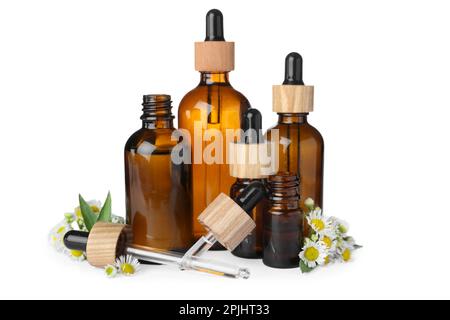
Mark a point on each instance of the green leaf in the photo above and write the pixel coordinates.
(88, 216)
(105, 213)
(304, 267)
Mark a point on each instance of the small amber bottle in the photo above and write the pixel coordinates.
(157, 189)
(303, 149)
(282, 223)
(247, 172)
(213, 107)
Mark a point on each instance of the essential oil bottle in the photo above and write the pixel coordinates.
(304, 155)
(246, 172)
(283, 222)
(158, 202)
(212, 107)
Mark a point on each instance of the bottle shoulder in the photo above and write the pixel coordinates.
(314, 132)
(293, 132)
(158, 138)
(203, 94)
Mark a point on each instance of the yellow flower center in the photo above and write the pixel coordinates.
(312, 254)
(347, 255)
(76, 253)
(318, 224)
(110, 271)
(327, 259)
(95, 209)
(61, 230)
(327, 242)
(127, 269)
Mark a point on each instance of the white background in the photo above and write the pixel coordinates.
(72, 74)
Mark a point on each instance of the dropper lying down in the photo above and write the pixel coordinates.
(226, 219)
(83, 241)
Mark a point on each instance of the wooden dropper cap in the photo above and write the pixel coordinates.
(106, 242)
(214, 54)
(228, 220)
(245, 158)
(293, 96)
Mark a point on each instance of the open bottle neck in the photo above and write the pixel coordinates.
(157, 112)
(210, 78)
(293, 118)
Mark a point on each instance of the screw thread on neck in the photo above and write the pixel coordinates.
(156, 107)
(284, 190)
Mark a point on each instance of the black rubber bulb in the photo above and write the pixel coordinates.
(251, 196)
(293, 69)
(252, 126)
(214, 26)
(76, 240)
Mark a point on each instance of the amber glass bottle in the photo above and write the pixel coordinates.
(304, 154)
(157, 190)
(251, 247)
(212, 107)
(282, 223)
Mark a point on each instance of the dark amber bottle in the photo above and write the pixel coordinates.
(157, 189)
(251, 247)
(282, 223)
(212, 108)
(302, 149)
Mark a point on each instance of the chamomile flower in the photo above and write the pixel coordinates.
(110, 271)
(127, 265)
(56, 235)
(313, 254)
(320, 224)
(345, 249)
(329, 242)
(76, 255)
(95, 205)
(346, 254)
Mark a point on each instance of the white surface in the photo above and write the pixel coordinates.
(71, 79)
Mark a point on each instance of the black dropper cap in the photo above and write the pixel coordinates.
(251, 196)
(76, 240)
(214, 26)
(293, 69)
(252, 126)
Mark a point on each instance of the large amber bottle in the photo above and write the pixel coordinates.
(158, 202)
(302, 147)
(207, 112)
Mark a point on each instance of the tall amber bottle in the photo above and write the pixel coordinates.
(302, 149)
(212, 107)
(158, 202)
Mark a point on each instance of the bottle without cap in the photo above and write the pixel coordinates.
(158, 202)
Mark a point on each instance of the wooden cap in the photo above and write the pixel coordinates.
(227, 221)
(214, 56)
(106, 242)
(245, 161)
(293, 98)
